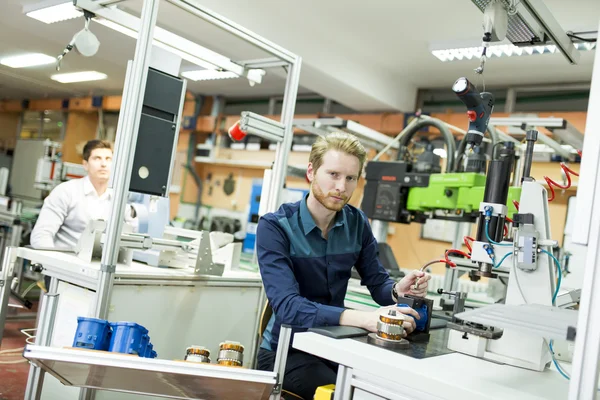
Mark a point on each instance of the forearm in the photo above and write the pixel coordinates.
(41, 238)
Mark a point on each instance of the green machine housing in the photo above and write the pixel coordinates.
(461, 191)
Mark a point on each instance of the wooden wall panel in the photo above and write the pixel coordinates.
(81, 127)
(9, 124)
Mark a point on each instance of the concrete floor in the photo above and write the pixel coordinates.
(13, 377)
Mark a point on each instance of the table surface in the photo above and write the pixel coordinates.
(451, 376)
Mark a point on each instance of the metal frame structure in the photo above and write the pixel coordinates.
(129, 118)
(585, 365)
(560, 127)
(322, 126)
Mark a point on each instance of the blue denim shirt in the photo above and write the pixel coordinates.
(305, 276)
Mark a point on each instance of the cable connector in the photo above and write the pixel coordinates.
(490, 251)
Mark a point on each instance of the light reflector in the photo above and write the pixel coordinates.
(56, 13)
(27, 60)
(83, 76)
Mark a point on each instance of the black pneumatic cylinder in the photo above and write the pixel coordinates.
(497, 182)
(496, 192)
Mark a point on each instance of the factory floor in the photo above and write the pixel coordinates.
(13, 367)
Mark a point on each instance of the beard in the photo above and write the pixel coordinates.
(327, 200)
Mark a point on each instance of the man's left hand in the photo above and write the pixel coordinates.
(415, 283)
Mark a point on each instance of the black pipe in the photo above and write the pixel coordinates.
(448, 138)
(530, 137)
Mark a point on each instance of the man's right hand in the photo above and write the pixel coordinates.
(368, 319)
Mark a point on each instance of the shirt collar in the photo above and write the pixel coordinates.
(89, 189)
(308, 223)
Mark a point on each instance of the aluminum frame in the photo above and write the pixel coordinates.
(585, 364)
(262, 127)
(321, 126)
(129, 120)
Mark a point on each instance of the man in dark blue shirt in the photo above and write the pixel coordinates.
(306, 251)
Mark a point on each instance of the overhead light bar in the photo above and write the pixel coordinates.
(501, 50)
(27, 60)
(128, 24)
(52, 11)
(208, 74)
(83, 76)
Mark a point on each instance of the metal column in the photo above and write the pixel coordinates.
(6, 277)
(43, 337)
(380, 230)
(584, 375)
(132, 108)
(284, 147)
(135, 89)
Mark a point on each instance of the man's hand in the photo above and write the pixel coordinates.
(368, 319)
(415, 283)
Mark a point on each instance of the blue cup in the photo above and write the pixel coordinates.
(92, 333)
(128, 338)
(420, 323)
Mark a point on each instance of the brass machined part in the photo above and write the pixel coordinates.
(198, 350)
(391, 320)
(230, 363)
(232, 346)
(387, 336)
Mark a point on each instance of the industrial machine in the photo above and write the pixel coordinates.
(531, 266)
(412, 189)
(51, 170)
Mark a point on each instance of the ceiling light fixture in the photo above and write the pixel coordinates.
(502, 50)
(27, 60)
(128, 24)
(83, 76)
(52, 11)
(207, 74)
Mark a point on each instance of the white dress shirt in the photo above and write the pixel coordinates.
(68, 209)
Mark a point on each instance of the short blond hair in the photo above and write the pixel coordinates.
(340, 141)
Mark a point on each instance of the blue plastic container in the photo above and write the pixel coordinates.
(421, 323)
(92, 333)
(144, 346)
(150, 353)
(128, 338)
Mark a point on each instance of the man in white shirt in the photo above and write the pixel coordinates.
(72, 204)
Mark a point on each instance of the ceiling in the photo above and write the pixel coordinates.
(367, 58)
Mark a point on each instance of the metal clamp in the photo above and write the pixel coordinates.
(108, 268)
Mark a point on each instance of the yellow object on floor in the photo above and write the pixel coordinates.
(325, 392)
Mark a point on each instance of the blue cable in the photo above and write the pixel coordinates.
(558, 273)
(487, 235)
(558, 368)
(502, 259)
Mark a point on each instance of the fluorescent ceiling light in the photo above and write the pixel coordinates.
(83, 76)
(502, 50)
(53, 12)
(27, 60)
(207, 75)
(254, 75)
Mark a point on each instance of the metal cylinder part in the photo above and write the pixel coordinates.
(497, 182)
(197, 354)
(231, 354)
(389, 326)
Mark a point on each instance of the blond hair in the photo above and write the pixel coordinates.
(340, 141)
